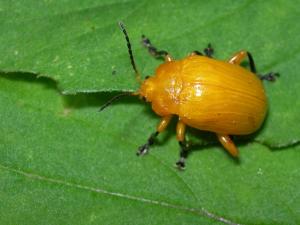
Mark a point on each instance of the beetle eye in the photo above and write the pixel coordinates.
(147, 77)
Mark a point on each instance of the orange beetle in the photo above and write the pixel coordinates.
(206, 94)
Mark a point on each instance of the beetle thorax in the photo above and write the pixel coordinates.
(163, 89)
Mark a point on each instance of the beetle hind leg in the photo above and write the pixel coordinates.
(241, 55)
(228, 144)
(238, 57)
(269, 76)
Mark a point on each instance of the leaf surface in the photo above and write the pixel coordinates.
(62, 162)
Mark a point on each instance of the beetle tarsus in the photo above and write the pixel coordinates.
(209, 51)
(269, 76)
(144, 149)
(180, 164)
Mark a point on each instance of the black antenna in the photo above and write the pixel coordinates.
(137, 74)
(114, 99)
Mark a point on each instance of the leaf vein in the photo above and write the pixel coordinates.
(200, 212)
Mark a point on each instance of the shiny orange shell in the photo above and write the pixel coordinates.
(208, 94)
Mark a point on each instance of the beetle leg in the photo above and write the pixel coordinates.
(153, 51)
(228, 144)
(180, 135)
(196, 53)
(269, 76)
(183, 154)
(240, 56)
(209, 51)
(143, 149)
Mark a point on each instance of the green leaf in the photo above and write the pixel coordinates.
(80, 44)
(62, 162)
(81, 47)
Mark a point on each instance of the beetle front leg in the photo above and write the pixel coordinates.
(143, 149)
(153, 50)
(180, 135)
